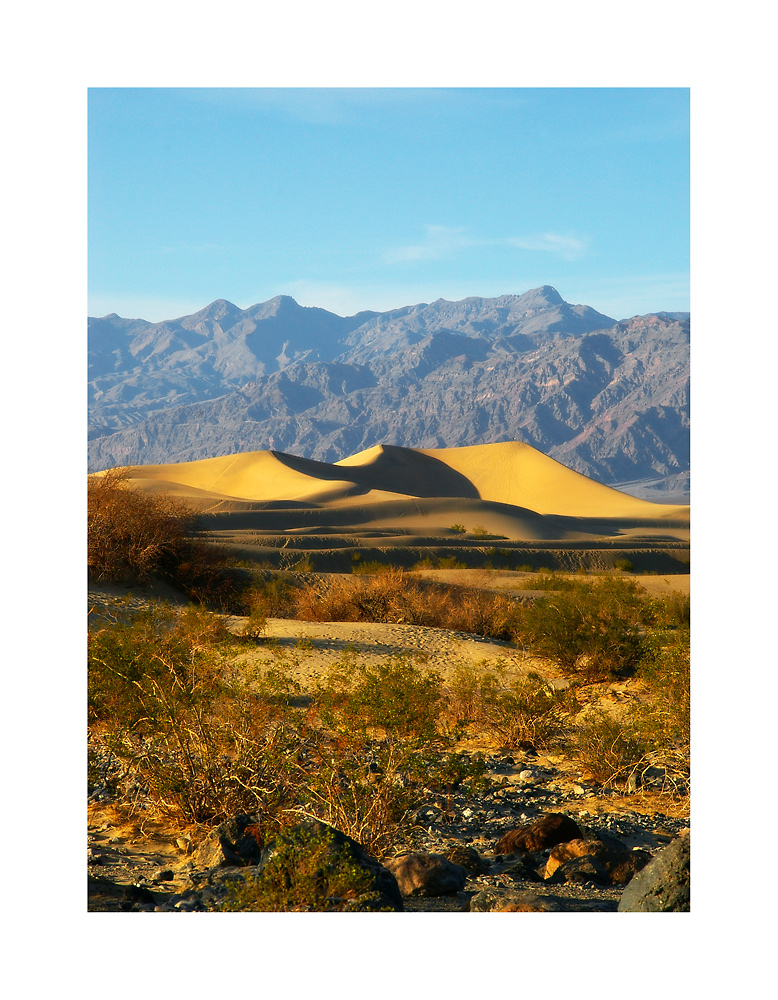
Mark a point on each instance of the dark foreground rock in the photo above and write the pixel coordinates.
(664, 885)
(420, 874)
(608, 863)
(236, 842)
(337, 848)
(521, 901)
(547, 831)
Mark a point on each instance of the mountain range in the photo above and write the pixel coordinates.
(608, 399)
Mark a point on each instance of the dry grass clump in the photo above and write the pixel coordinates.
(519, 711)
(396, 597)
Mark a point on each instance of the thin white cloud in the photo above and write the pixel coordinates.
(441, 241)
(560, 245)
(444, 241)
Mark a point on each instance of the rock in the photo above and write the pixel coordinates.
(420, 874)
(615, 864)
(580, 871)
(562, 853)
(518, 901)
(524, 870)
(383, 892)
(622, 868)
(664, 885)
(468, 858)
(547, 831)
(237, 841)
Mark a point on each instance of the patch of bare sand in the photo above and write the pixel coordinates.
(310, 649)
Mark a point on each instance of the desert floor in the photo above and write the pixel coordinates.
(131, 847)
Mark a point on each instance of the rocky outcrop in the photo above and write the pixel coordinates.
(236, 842)
(664, 885)
(607, 399)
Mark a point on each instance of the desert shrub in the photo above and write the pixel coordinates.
(134, 537)
(665, 668)
(361, 786)
(395, 696)
(372, 566)
(271, 595)
(481, 613)
(653, 737)
(609, 748)
(467, 690)
(624, 565)
(303, 875)
(204, 743)
(592, 627)
(395, 597)
(524, 710)
(528, 711)
(449, 562)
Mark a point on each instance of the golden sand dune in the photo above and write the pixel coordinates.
(509, 473)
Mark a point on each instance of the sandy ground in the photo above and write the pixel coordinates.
(507, 489)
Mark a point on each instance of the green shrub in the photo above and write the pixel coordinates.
(205, 743)
(526, 709)
(592, 627)
(624, 565)
(609, 748)
(458, 528)
(449, 562)
(395, 696)
(665, 668)
(373, 566)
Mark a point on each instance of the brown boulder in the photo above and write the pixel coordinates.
(572, 849)
(468, 858)
(427, 875)
(547, 831)
(618, 863)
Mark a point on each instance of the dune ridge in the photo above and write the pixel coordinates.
(510, 473)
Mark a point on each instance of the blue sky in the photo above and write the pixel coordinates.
(375, 198)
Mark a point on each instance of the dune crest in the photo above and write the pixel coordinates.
(510, 473)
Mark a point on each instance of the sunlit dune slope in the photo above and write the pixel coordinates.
(506, 473)
(509, 472)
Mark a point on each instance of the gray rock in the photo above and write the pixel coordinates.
(518, 901)
(664, 885)
(237, 841)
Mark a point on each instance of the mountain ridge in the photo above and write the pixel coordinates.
(607, 398)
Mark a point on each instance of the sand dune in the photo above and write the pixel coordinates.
(507, 473)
